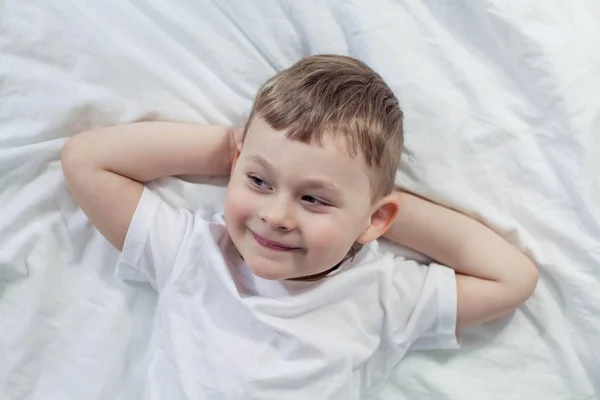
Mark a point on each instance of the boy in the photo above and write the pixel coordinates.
(288, 296)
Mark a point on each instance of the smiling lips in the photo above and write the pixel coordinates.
(272, 245)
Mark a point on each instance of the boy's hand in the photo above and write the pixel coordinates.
(105, 168)
(492, 278)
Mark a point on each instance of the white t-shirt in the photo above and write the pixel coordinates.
(224, 333)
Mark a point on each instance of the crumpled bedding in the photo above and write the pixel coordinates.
(502, 122)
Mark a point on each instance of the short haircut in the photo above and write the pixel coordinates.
(339, 96)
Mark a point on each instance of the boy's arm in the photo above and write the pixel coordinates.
(105, 168)
(493, 277)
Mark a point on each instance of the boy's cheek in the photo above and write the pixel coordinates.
(239, 205)
(330, 234)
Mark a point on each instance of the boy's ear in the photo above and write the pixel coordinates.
(381, 219)
(236, 156)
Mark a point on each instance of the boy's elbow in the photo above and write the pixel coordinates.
(67, 150)
(533, 275)
(68, 156)
(73, 155)
(77, 163)
(524, 283)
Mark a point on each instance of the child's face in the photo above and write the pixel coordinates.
(293, 209)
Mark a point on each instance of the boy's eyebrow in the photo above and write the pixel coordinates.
(261, 161)
(310, 183)
(326, 185)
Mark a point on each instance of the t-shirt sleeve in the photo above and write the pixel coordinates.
(153, 241)
(426, 303)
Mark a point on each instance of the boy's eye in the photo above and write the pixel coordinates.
(258, 182)
(314, 201)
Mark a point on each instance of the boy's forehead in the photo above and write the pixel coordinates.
(332, 159)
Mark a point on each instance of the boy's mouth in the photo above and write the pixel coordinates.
(269, 244)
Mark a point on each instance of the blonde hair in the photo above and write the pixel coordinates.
(337, 95)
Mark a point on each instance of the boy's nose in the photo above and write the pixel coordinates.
(278, 215)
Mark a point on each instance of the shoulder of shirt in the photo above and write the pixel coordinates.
(208, 219)
(372, 255)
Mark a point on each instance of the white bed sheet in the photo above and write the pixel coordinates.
(502, 122)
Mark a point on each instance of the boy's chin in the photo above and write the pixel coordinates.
(267, 269)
